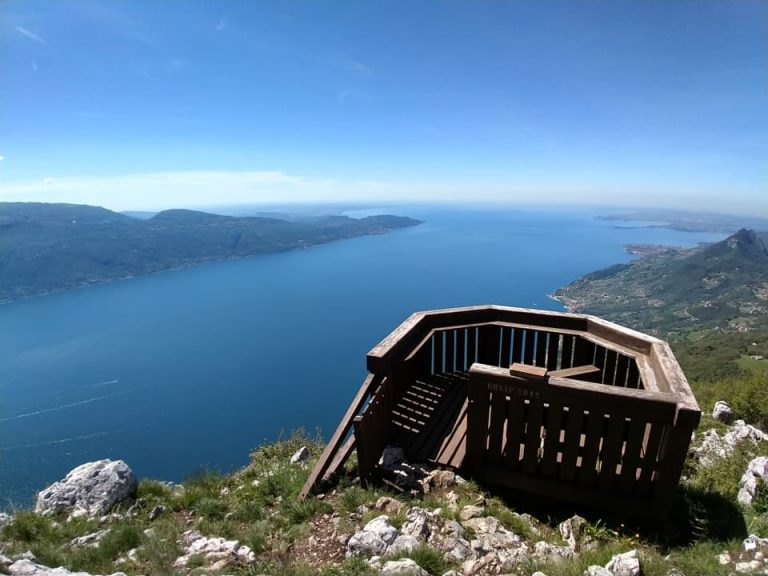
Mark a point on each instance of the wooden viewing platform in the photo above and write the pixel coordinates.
(566, 406)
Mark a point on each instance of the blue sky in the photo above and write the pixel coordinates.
(144, 104)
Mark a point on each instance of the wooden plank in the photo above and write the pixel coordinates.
(553, 425)
(653, 405)
(649, 462)
(533, 421)
(407, 334)
(457, 436)
(527, 371)
(621, 335)
(323, 465)
(631, 456)
(342, 455)
(515, 429)
(594, 436)
(364, 459)
(575, 425)
(674, 449)
(574, 371)
(610, 452)
(541, 348)
(477, 423)
(496, 429)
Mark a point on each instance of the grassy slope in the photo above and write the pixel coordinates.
(259, 507)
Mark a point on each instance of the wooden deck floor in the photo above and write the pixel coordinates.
(430, 422)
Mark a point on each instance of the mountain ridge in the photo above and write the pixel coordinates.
(721, 286)
(54, 247)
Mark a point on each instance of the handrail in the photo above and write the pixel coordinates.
(400, 341)
(371, 382)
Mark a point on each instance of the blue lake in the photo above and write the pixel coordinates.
(193, 368)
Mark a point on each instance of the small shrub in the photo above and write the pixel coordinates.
(195, 561)
(28, 527)
(299, 511)
(212, 508)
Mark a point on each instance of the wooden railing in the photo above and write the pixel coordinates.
(615, 414)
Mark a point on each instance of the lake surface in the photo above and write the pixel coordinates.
(191, 369)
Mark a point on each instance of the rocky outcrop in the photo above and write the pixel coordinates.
(478, 543)
(217, 553)
(27, 567)
(301, 456)
(751, 559)
(90, 490)
(714, 446)
(722, 412)
(403, 567)
(754, 481)
(626, 564)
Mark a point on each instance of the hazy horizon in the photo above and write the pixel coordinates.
(145, 106)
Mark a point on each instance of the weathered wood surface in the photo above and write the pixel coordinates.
(588, 405)
(590, 437)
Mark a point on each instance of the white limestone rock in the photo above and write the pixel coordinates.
(374, 539)
(89, 540)
(626, 564)
(715, 446)
(389, 505)
(754, 479)
(403, 543)
(547, 551)
(722, 412)
(572, 529)
(26, 567)
(417, 525)
(216, 551)
(365, 543)
(382, 527)
(471, 511)
(301, 456)
(90, 490)
(404, 567)
(597, 571)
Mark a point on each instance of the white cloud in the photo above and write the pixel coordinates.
(31, 35)
(2, 158)
(200, 189)
(358, 67)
